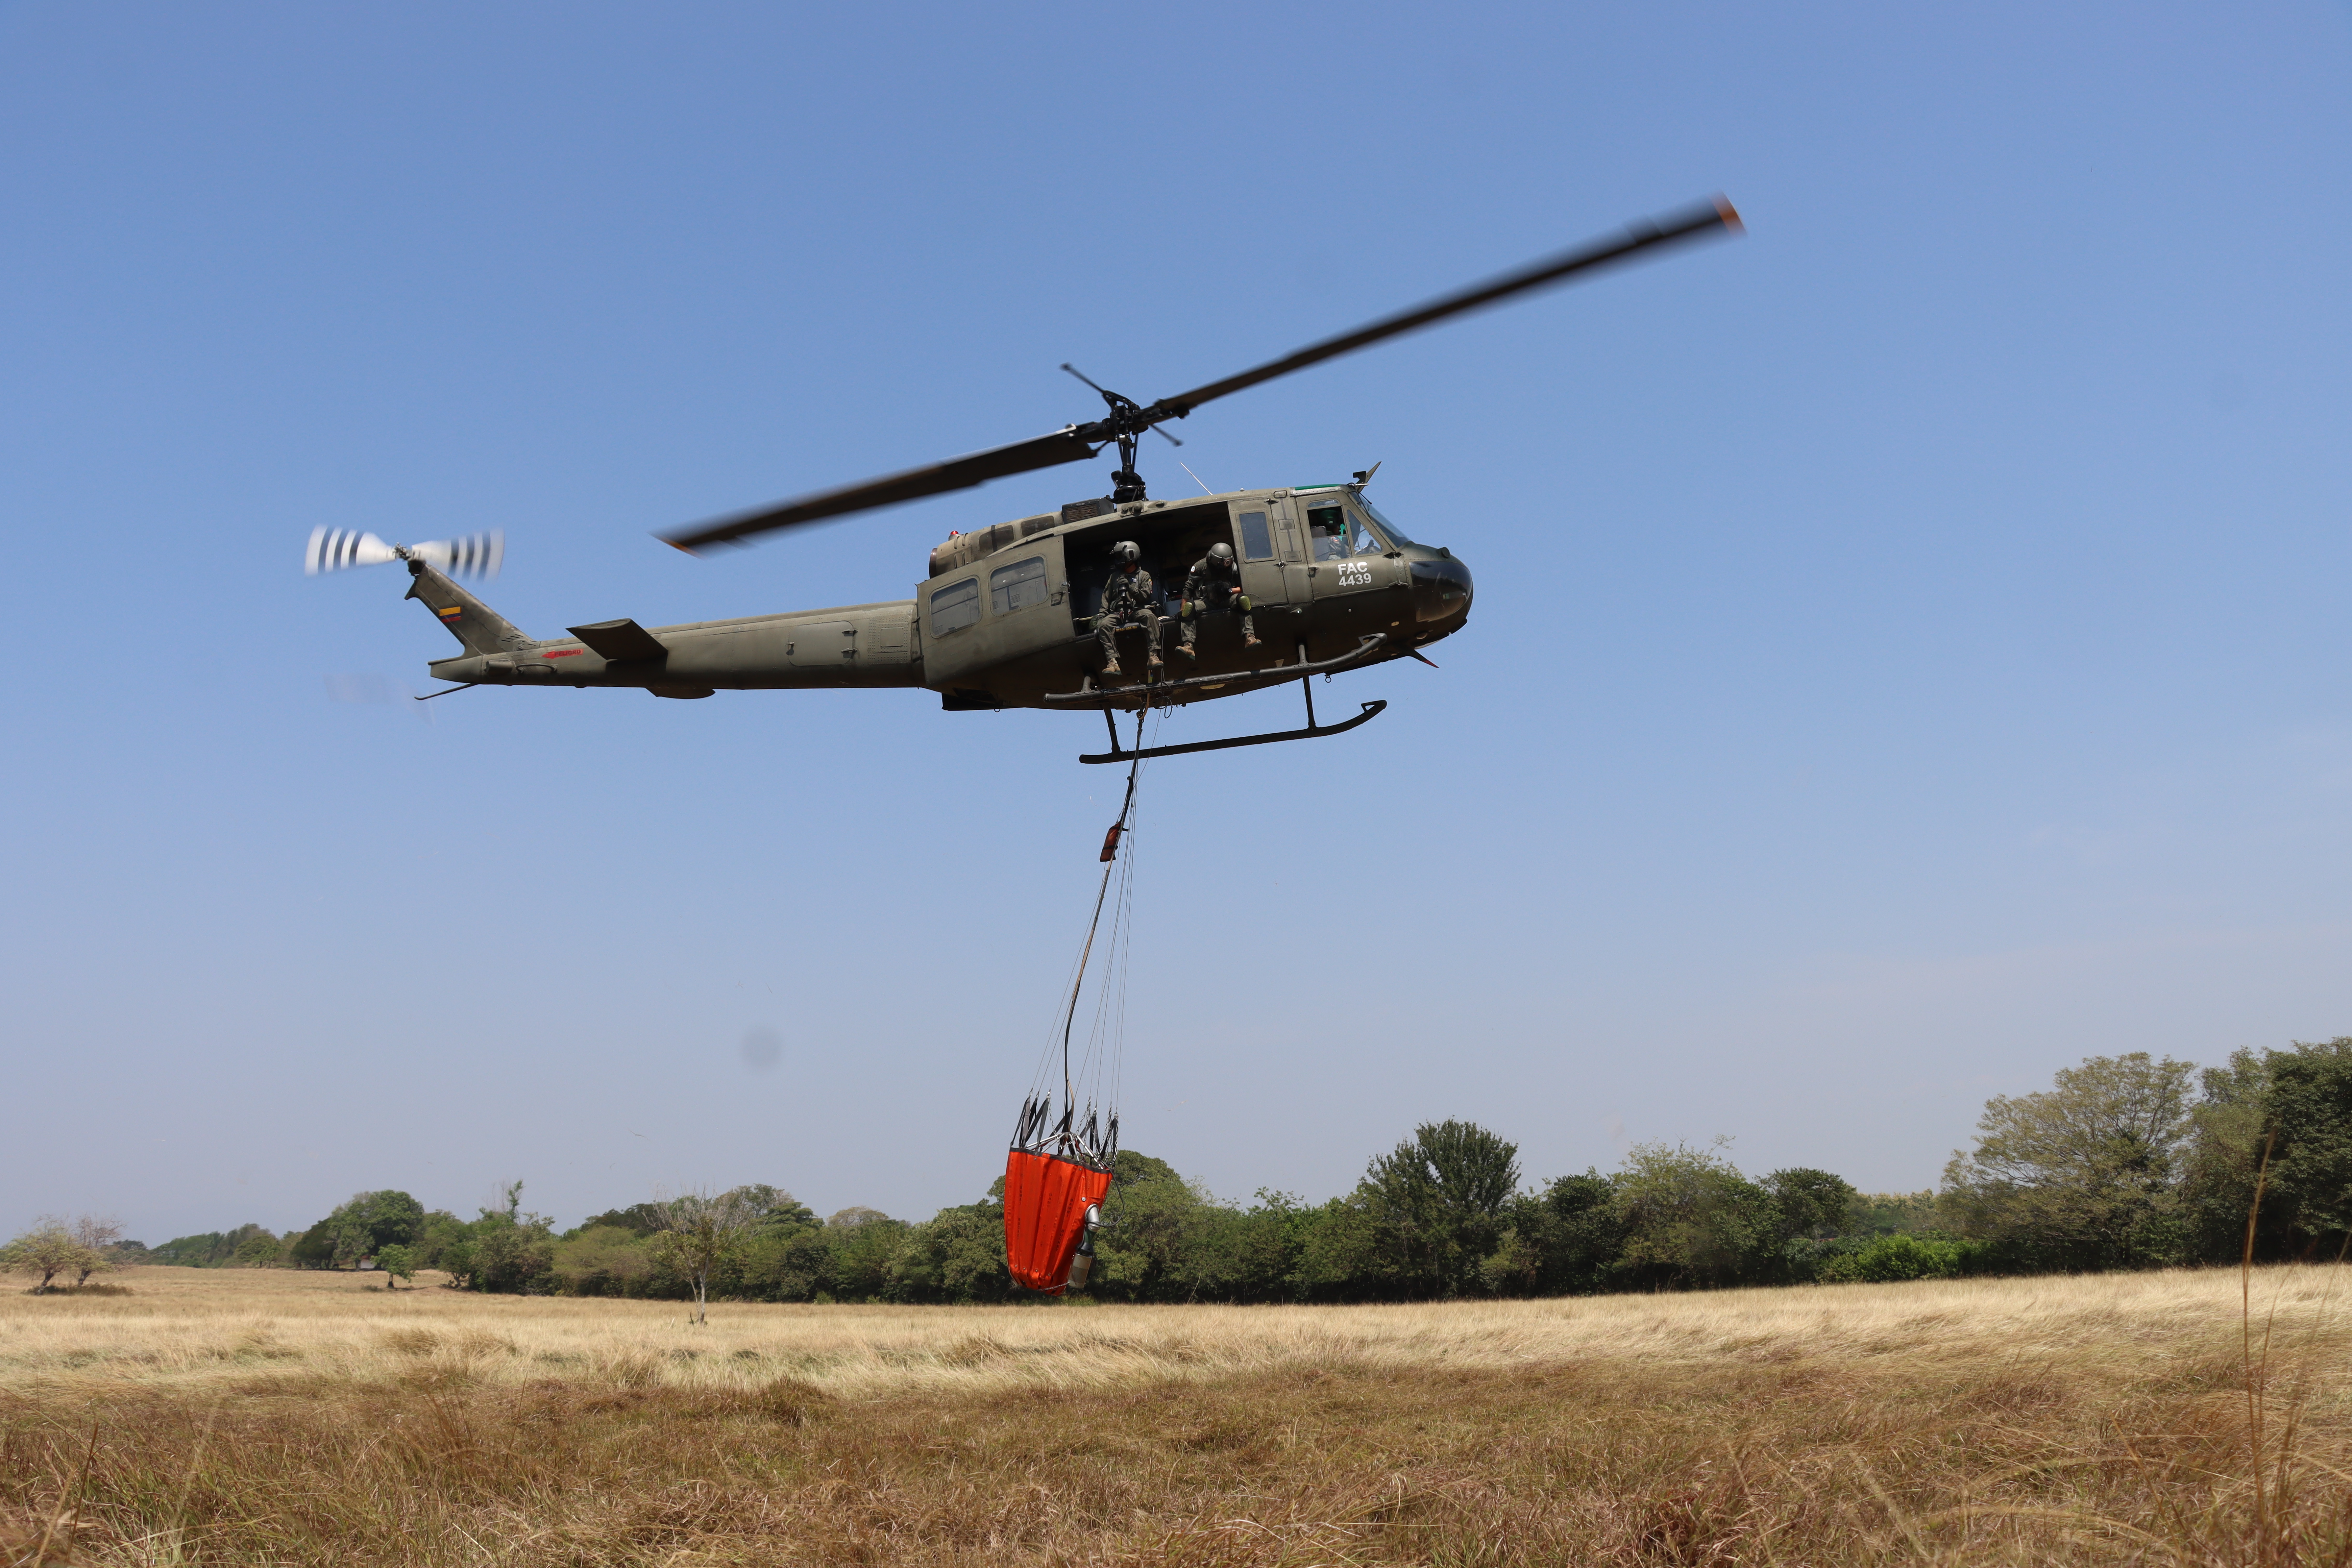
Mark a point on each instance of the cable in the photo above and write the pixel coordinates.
(1095, 1143)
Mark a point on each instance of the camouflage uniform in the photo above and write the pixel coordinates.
(1216, 587)
(1129, 599)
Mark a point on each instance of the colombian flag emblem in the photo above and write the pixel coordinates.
(452, 613)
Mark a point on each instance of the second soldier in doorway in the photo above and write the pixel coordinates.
(1129, 599)
(1214, 586)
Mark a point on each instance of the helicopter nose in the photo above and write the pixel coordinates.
(1441, 589)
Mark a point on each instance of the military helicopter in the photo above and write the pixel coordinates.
(1005, 616)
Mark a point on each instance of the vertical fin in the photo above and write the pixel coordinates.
(482, 629)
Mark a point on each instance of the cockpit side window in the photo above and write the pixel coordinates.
(1361, 539)
(1326, 532)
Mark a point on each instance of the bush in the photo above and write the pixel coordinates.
(1904, 1255)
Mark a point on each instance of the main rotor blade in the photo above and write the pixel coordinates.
(1076, 443)
(1065, 445)
(1707, 217)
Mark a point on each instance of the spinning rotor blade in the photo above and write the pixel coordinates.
(1126, 421)
(1708, 217)
(1064, 446)
(334, 549)
(475, 555)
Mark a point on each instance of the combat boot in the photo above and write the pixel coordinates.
(1186, 650)
(1111, 668)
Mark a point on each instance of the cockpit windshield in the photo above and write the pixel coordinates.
(1396, 534)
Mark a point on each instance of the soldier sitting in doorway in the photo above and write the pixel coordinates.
(1129, 599)
(1214, 586)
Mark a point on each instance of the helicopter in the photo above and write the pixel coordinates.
(1006, 615)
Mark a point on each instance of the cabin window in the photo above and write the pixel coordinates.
(1326, 532)
(955, 606)
(1017, 586)
(1257, 541)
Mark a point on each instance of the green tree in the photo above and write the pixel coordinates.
(956, 1256)
(701, 1231)
(507, 1254)
(2309, 1130)
(1563, 1240)
(318, 1246)
(1343, 1256)
(1819, 1213)
(390, 1218)
(359, 1227)
(1438, 1200)
(638, 1219)
(397, 1262)
(2230, 1132)
(1692, 1220)
(441, 1230)
(95, 1234)
(256, 1249)
(506, 1250)
(1889, 1214)
(602, 1260)
(1157, 1244)
(861, 1246)
(455, 1258)
(2083, 1175)
(1259, 1251)
(47, 1251)
(783, 1263)
(1814, 1204)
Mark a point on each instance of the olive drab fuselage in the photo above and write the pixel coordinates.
(1006, 616)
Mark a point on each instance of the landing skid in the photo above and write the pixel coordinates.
(1313, 732)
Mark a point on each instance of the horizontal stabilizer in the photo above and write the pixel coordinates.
(620, 640)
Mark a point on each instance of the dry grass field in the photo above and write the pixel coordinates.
(280, 1417)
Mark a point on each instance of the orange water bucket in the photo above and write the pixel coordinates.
(1045, 1202)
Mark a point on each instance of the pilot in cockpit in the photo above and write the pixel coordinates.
(1335, 534)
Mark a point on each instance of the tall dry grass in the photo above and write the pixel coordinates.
(248, 1418)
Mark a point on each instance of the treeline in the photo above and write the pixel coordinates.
(1441, 1215)
(2125, 1161)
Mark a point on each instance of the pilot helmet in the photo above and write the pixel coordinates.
(1221, 553)
(1127, 552)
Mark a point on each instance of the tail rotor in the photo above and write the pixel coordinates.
(337, 549)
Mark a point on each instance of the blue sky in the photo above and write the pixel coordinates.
(1909, 650)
